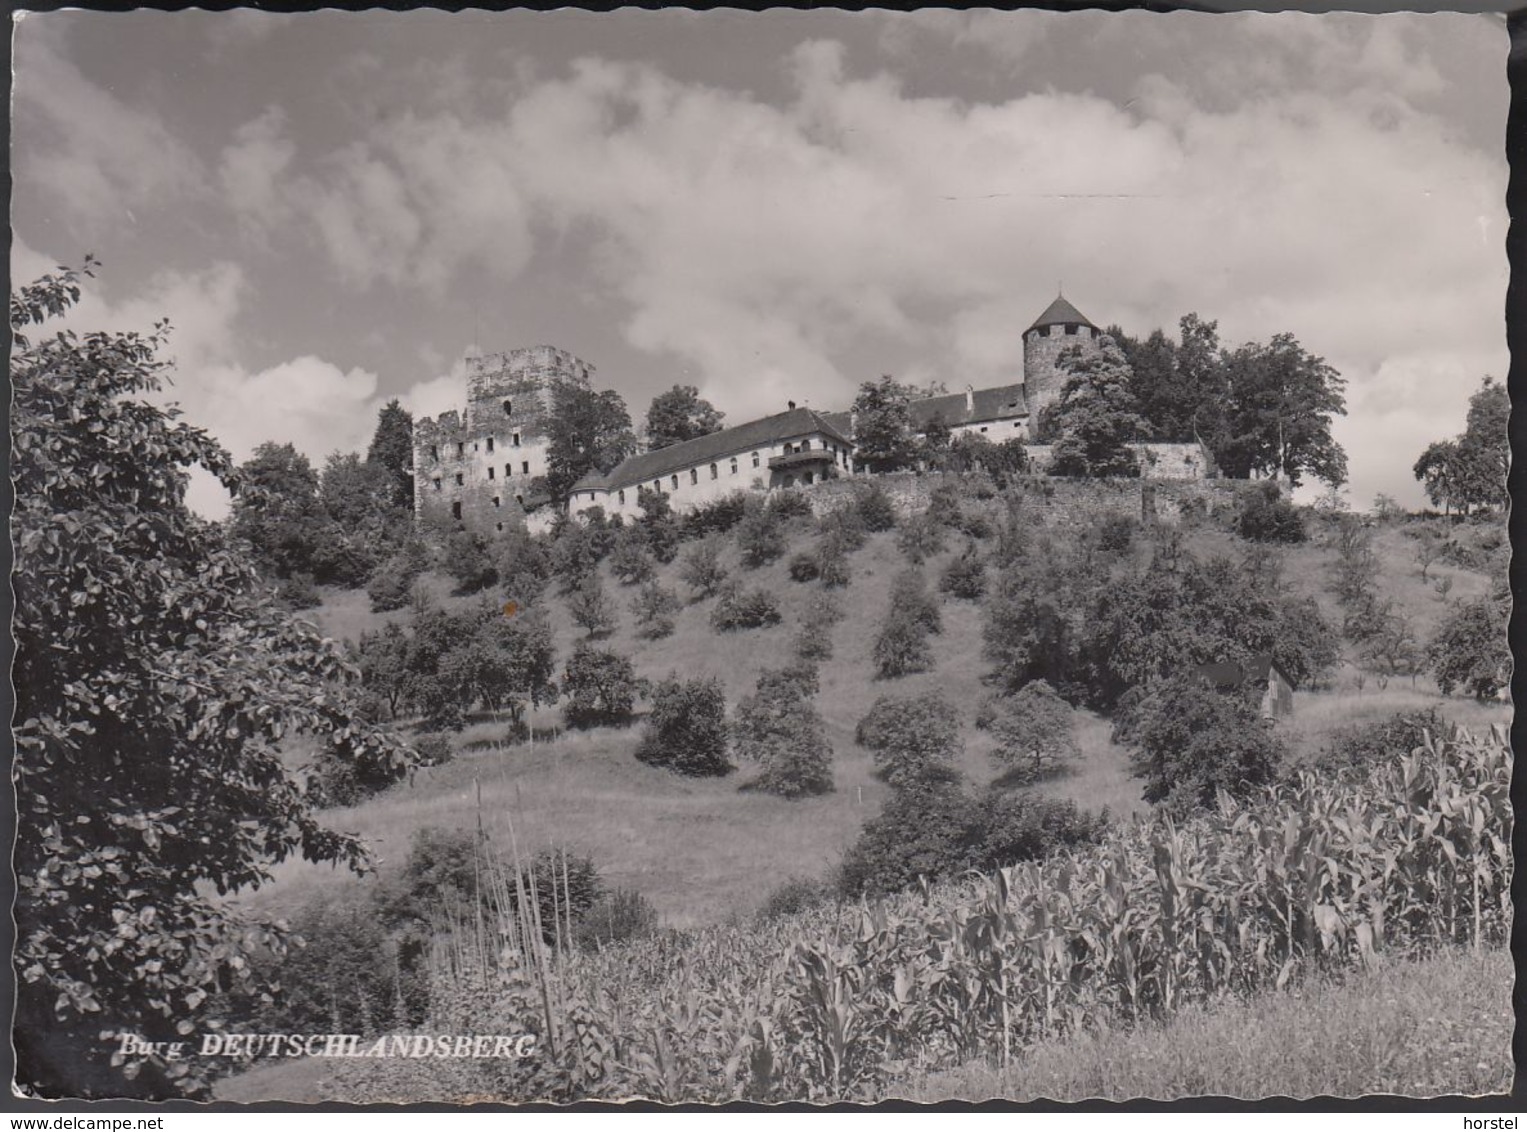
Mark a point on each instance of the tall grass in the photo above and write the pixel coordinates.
(840, 1003)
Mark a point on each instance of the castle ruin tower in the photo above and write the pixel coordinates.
(1060, 326)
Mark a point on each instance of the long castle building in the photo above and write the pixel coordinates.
(477, 468)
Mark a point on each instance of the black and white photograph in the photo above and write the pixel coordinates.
(747, 557)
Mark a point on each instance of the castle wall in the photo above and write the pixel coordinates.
(1157, 461)
(476, 467)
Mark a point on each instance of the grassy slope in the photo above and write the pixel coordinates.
(701, 850)
(1420, 1028)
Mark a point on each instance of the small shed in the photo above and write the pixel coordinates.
(1262, 671)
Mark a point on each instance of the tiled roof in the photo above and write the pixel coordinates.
(705, 449)
(1058, 312)
(998, 403)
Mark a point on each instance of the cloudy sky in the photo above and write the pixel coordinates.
(333, 209)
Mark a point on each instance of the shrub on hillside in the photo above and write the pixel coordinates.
(924, 830)
(601, 688)
(778, 728)
(901, 647)
(1115, 532)
(630, 562)
(591, 608)
(1191, 742)
(1013, 826)
(574, 556)
(913, 739)
(965, 576)
(392, 582)
(686, 730)
(790, 504)
(1362, 745)
(845, 524)
(716, 517)
(920, 537)
(804, 568)
(760, 537)
(796, 895)
(1470, 652)
(876, 511)
(654, 607)
(619, 915)
(658, 524)
(702, 569)
(737, 608)
(298, 592)
(832, 562)
(1265, 516)
(1033, 728)
(434, 749)
(468, 562)
(910, 597)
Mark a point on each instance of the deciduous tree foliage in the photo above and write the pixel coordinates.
(1469, 472)
(883, 437)
(1096, 416)
(1282, 399)
(678, 415)
(155, 687)
(588, 432)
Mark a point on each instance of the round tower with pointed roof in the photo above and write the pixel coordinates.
(1060, 326)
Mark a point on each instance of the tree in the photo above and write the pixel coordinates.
(277, 509)
(1469, 472)
(686, 730)
(1096, 417)
(591, 610)
(156, 686)
(1281, 401)
(654, 607)
(1034, 731)
(630, 561)
(760, 536)
(678, 415)
(587, 432)
(778, 728)
(1192, 741)
(914, 739)
(601, 687)
(1470, 652)
(392, 448)
(702, 569)
(1265, 516)
(883, 437)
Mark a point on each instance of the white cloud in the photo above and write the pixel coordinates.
(81, 145)
(310, 402)
(252, 170)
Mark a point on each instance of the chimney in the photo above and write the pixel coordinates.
(970, 399)
(790, 403)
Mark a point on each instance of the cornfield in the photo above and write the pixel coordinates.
(840, 1003)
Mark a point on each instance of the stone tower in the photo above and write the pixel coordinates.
(1060, 326)
(477, 468)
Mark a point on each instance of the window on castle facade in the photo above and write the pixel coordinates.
(755, 459)
(495, 501)
(622, 495)
(456, 509)
(734, 465)
(675, 483)
(805, 446)
(1071, 328)
(490, 444)
(1044, 331)
(508, 407)
(437, 483)
(515, 440)
(490, 471)
(434, 451)
(459, 479)
(461, 450)
(525, 467)
(694, 475)
(713, 472)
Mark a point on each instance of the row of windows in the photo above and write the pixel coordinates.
(1072, 328)
(508, 471)
(715, 471)
(461, 446)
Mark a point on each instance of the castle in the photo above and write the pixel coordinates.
(479, 468)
